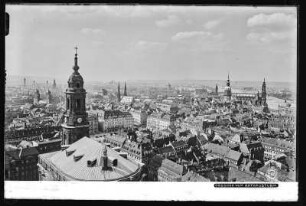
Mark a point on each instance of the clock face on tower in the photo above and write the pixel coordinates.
(79, 120)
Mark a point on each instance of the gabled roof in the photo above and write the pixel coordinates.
(234, 155)
(178, 143)
(166, 149)
(235, 138)
(217, 149)
(172, 166)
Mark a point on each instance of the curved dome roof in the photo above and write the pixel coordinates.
(75, 77)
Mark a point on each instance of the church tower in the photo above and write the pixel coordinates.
(125, 91)
(118, 93)
(36, 97)
(216, 89)
(54, 84)
(264, 93)
(76, 124)
(49, 97)
(227, 90)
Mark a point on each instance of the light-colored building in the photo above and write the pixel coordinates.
(93, 123)
(113, 120)
(88, 160)
(168, 108)
(159, 121)
(139, 116)
(127, 100)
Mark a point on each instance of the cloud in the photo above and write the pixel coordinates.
(276, 27)
(89, 31)
(211, 24)
(149, 46)
(275, 19)
(199, 41)
(169, 21)
(266, 37)
(195, 35)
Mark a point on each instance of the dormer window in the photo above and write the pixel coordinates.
(69, 152)
(78, 85)
(91, 163)
(77, 157)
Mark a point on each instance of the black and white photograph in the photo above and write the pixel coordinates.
(116, 97)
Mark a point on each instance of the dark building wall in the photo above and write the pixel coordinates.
(24, 169)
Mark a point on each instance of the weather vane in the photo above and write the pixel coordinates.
(76, 50)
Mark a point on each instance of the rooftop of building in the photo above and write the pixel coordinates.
(89, 150)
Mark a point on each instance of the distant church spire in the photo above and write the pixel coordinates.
(216, 88)
(119, 97)
(125, 91)
(228, 80)
(264, 92)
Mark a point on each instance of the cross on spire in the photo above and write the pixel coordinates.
(76, 67)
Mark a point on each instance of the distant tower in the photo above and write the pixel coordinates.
(24, 82)
(54, 84)
(216, 89)
(228, 90)
(125, 91)
(104, 158)
(76, 124)
(118, 94)
(36, 97)
(264, 93)
(49, 97)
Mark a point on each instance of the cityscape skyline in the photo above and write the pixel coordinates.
(130, 43)
(93, 115)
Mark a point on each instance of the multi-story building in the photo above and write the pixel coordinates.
(165, 170)
(29, 133)
(273, 147)
(114, 120)
(252, 150)
(21, 164)
(159, 121)
(114, 140)
(93, 123)
(140, 117)
(127, 100)
(167, 108)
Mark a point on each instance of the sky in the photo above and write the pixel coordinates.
(125, 43)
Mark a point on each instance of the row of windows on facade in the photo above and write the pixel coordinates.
(271, 148)
(26, 175)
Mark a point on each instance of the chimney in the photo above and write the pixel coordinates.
(104, 159)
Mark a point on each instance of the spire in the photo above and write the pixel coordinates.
(125, 92)
(228, 80)
(76, 67)
(119, 92)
